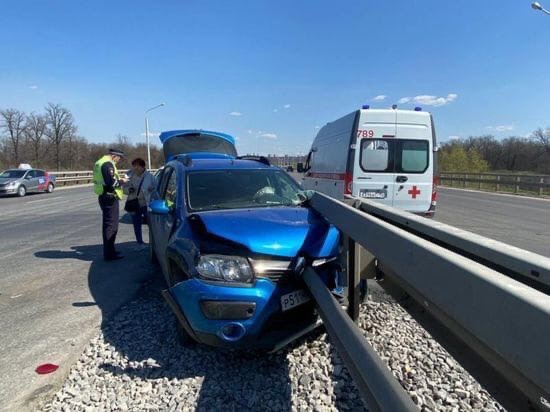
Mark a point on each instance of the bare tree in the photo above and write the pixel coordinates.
(35, 130)
(61, 127)
(543, 137)
(13, 125)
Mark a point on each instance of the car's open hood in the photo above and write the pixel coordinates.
(276, 231)
(215, 144)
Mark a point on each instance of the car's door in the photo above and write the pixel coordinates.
(42, 183)
(163, 224)
(31, 181)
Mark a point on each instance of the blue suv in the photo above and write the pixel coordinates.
(230, 235)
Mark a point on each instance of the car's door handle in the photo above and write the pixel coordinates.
(401, 179)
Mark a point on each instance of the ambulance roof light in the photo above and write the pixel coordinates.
(418, 109)
(365, 107)
(394, 107)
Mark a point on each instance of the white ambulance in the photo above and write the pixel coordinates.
(385, 155)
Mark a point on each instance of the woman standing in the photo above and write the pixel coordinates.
(139, 187)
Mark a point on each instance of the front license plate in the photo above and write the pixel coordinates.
(373, 194)
(291, 300)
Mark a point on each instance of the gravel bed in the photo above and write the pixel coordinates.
(135, 363)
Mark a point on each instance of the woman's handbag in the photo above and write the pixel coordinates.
(132, 205)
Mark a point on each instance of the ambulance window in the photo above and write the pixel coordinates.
(414, 156)
(375, 155)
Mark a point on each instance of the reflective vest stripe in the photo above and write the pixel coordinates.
(99, 183)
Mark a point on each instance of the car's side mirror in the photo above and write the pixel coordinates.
(159, 207)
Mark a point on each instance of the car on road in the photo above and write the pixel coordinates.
(231, 236)
(19, 182)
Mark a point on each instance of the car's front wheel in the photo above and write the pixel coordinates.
(21, 191)
(50, 188)
(152, 253)
(183, 337)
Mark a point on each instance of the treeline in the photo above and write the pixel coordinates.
(50, 140)
(486, 153)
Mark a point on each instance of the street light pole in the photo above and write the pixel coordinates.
(147, 134)
(536, 5)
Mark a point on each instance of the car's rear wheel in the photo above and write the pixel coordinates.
(50, 188)
(21, 191)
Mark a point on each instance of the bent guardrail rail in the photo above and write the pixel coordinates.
(500, 318)
(375, 382)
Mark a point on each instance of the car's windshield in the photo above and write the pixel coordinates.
(232, 189)
(12, 174)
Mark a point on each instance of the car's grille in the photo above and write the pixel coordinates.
(275, 270)
(276, 277)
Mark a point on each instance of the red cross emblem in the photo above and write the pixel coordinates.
(414, 191)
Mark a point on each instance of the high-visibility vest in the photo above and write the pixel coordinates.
(99, 183)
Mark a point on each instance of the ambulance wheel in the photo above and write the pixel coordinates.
(21, 191)
(50, 188)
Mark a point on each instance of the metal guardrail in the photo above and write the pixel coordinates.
(454, 276)
(78, 177)
(534, 184)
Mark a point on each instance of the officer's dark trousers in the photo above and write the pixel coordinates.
(109, 207)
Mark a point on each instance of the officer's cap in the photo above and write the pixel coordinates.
(116, 152)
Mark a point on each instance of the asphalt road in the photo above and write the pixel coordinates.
(519, 221)
(56, 291)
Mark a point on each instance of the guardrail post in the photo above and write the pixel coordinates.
(498, 184)
(465, 178)
(479, 182)
(353, 281)
(541, 188)
(518, 180)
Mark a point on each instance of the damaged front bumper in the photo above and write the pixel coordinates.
(241, 316)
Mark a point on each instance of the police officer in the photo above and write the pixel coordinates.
(107, 185)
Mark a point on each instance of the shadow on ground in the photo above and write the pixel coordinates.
(141, 339)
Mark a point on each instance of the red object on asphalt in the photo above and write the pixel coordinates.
(46, 368)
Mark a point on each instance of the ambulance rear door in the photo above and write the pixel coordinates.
(414, 166)
(373, 175)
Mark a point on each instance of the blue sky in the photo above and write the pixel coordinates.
(272, 72)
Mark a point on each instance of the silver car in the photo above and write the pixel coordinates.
(22, 181)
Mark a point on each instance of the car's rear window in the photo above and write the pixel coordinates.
(232, 189)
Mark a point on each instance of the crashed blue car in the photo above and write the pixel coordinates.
(231, 236)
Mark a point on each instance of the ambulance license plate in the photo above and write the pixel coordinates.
(296, 298)
(373, 193)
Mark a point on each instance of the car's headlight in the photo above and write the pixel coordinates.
(12, 184)
(226, 268)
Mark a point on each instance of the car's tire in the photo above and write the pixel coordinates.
(21, 191)
(152, 254)
(182, 336)
(50, 188)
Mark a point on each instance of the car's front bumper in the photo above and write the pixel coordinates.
(266, 328)
(8, 191)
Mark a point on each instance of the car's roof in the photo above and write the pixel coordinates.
(224, 164)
